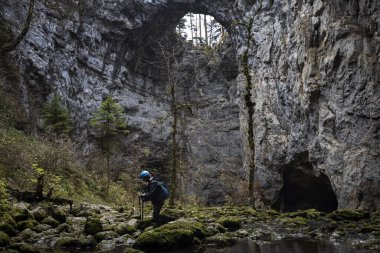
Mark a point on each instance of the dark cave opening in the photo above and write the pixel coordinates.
(302, 190)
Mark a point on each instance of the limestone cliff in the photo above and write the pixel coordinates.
(302, 110)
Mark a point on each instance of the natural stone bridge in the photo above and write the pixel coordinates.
(311, 117)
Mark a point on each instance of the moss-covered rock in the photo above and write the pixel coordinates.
(131, 250)
(294, 222)
(51, 222)
(124, 229)
(21, 225)
(23, 248)
(348, 214)
(7, 218)
(40, 214)
(21, 214)
(42, 227)
(221, 240)
(27, 234)
(4, 239)
(308, 214)
(230, 222)
(175, 235)
(93, 226)
(106, 235)
(59, 215)
(169, 240)
(8, 229)
(76, 243)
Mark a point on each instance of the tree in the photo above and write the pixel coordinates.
(56, 117)
(109, 122)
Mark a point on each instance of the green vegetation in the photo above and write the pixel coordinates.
(110, 122)
(56, 117)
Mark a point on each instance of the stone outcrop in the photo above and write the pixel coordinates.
(307, 74)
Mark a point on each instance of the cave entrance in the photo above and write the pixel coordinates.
(303, 190)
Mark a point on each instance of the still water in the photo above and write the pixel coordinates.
(249, 246)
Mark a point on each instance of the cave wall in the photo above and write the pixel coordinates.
(314, 71)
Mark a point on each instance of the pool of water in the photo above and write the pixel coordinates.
(287, 246)
(249, 246)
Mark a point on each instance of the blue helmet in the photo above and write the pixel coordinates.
(144, 174)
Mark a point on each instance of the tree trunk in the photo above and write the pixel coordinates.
(174, 148)
(191, 28)
(205, 24)
(200, 27)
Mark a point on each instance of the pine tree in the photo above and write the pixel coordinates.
(109, 121)
(56, 117)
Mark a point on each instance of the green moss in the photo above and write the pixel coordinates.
(106, 235)
(230, 222)
(8, 229)
(169, 240)
(59, 215)
(23, 248)
(294, 222)
(7, 218)
(309, 214)
(4, 239)
(368, 228)
(26, 224)
(175, 235)
(347, 214)
(93, 226)
(20, 214)
(221, 240)
(123, 229)
(76, 243)
(130, 250)
(50, 221)
(40, 214)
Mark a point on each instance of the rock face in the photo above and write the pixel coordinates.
(301, 106)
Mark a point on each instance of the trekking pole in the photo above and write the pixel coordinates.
(142, 213)
(140, 208)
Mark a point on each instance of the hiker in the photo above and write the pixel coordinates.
(156, 192)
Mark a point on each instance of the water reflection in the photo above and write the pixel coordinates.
(286, 246)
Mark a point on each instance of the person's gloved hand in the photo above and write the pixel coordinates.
(143, 197)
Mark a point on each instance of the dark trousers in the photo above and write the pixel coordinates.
(156, 211)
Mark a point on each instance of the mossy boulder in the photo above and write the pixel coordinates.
(41, 227)
(175, 235)
(221, 240)
(21, 214)
(87, 242)
(294, 222)
(4, 239)
(8, 229)
(230, 222)
(93, 226)
(40, 214)
(124, 229)
(7, 218)
(23, 248)
(21, 225)
(27, 234)
(106, 235)
(131, 250)
(51, 222)
(307, 214)
(348, 214)
(59, 215)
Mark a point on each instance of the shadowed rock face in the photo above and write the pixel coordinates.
(314, 68)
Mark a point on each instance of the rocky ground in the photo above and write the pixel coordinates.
(31, 228)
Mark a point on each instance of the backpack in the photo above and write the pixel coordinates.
(164, 190)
